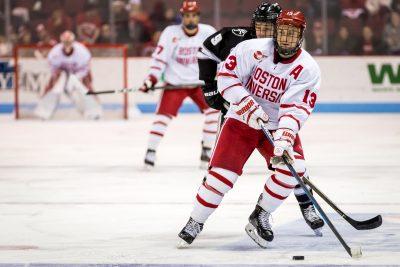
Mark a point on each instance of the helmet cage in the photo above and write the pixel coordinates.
(295, 22)
(265, 12)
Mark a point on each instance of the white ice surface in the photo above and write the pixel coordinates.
(74, 192)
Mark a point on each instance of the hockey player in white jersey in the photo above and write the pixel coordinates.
(70, 74)
(215, 49)
(273, 81)
(176, 58)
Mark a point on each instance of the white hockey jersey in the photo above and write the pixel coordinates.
(286, 90)
(77, 63)
(176, 55)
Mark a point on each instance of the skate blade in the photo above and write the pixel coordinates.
(147, 168)
(252, 232)
(182, 244)
(318, 231)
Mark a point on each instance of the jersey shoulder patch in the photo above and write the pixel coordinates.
(239, 32)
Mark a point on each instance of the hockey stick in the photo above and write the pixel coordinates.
(131, 90)
(354, 252)
(372, 223)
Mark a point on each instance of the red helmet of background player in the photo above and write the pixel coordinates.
(294, 18)
(190, 6)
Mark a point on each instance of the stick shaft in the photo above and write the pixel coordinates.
(308, 193)
(130, 90)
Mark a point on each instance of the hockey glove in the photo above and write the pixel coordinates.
(283, 142)
(214, 98)
(148, 84)
(250, 112)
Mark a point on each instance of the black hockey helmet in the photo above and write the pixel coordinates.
(265, 12)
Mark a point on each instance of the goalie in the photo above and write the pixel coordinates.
(70, 74)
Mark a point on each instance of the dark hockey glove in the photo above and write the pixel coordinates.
(214, 98)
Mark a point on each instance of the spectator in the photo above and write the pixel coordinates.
(368, 44)
(353, 15)
(43, 36)
(5, 47)
(105, 34)
(378, 12)
(158, 16)
(391, 33)
(88, 26)
(140, 27)
(58, 23)
(171, 17)
(149, 47)
(24, 35)
(121, 21)
(396, 5)
(315, 44)
(342, 43)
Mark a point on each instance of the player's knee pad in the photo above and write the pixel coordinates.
(221, 180)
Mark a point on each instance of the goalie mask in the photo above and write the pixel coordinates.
(264, 18)
(67, 39)
(289, 32)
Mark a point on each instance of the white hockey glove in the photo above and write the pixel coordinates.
(148, 84)
(283, 142)
(250, 112)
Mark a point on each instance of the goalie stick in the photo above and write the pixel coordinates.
(372, 223)
(131, 90)
(354, 252)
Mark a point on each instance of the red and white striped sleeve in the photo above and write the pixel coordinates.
(162, 54)
(299, 100)
(234, 72)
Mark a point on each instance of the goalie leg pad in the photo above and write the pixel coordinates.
(88, 105)
(48, 103)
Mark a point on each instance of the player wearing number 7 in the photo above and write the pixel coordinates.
(275, 81)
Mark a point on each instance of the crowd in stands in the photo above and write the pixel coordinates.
(355, 27)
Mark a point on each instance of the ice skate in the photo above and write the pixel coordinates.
(259, 227)
(312, 219)
(149, 159)
(189, 233)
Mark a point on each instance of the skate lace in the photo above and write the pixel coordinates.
(263, 218)
(193, 228)
(310, 213)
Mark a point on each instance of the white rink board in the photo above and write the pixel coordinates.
(344, 80)
(74, 192)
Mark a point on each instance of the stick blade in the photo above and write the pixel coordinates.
(368, 224)
(356, 252)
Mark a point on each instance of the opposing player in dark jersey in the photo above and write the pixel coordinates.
(215, 49)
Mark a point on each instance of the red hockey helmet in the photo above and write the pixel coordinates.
(190, 6)
(293, 18)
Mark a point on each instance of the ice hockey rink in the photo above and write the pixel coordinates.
(74, 192)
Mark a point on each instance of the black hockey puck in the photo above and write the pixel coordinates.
(298, 258)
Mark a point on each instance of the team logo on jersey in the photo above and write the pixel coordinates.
(258, 55)
(239, 32)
